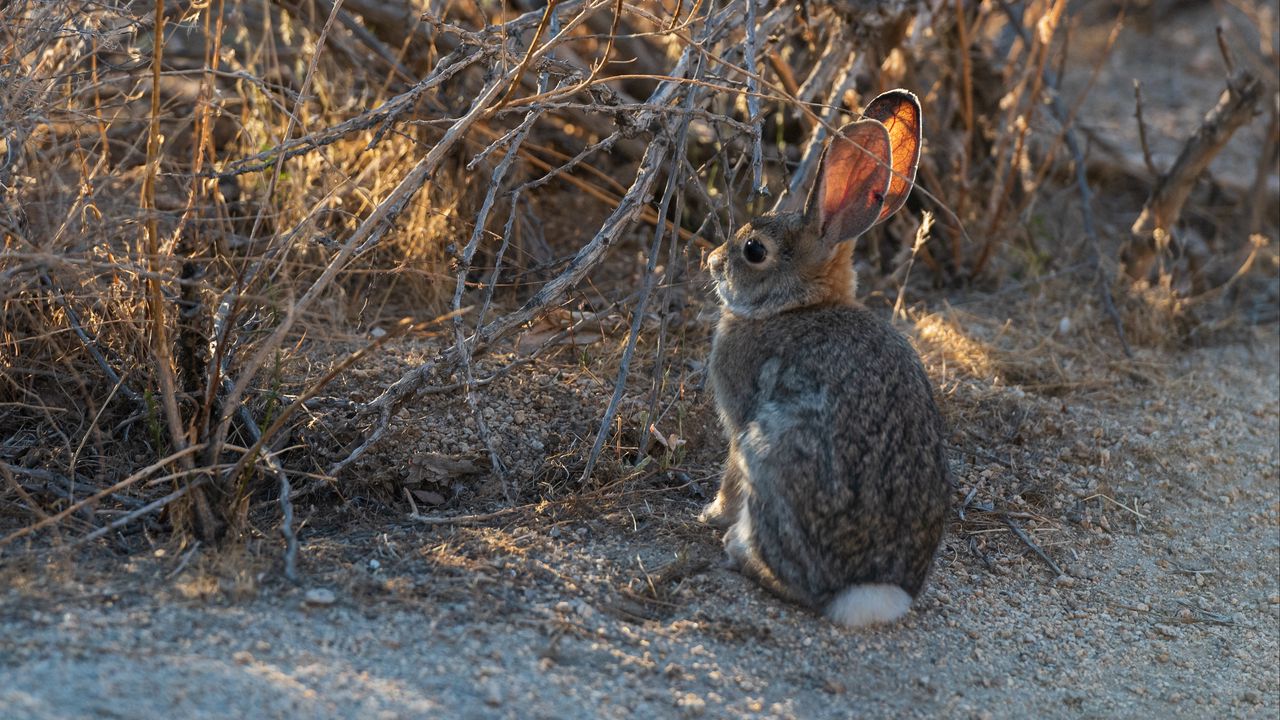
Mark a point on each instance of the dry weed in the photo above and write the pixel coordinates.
(207, 214)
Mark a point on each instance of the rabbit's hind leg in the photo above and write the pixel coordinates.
(742, 553)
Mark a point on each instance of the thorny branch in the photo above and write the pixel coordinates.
(675, 179)
(666, 95)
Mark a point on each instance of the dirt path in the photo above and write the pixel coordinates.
(1170, 607)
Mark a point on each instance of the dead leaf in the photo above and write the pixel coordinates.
(436, 468)
(428, 496)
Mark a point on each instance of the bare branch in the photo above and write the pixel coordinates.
(1102, 277)
(1155, 224)
(1142, 128)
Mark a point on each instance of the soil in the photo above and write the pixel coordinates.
(1160, 509)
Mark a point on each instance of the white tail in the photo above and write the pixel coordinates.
(859, 605)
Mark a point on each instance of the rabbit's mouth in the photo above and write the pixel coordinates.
(733, 302)
(724, 290)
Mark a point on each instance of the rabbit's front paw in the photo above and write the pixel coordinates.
(715, 514)
(737, 543)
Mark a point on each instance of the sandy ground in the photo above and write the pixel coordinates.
(1167, 607)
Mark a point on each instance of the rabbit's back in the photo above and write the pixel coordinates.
(836, 423)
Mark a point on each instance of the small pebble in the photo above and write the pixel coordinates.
(320, 597)
(691, 705)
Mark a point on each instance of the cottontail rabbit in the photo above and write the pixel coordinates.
(835, 490)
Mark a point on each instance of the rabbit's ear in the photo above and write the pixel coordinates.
(899, 110)
(852, 183)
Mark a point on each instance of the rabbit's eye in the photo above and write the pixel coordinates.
(754, 251)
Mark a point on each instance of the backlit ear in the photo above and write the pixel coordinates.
(852, 183)
(899, 110)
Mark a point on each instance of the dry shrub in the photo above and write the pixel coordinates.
(176, 252)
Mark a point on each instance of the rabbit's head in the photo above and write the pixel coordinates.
(782, 261)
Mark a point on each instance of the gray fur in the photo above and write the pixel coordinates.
(840, 450)
(836, 475)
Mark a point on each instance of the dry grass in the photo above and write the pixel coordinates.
(206, 216)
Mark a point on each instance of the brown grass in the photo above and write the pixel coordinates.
(195, 209)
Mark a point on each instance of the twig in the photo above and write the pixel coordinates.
(89, 343)
(285, 415)
(286, 502)
(366, 235)
(1259, 204)
(462, 348)
(161, 354)
(1163, 208)
(368, 39)
(409, 384)
(1225, 51)
(602, 146)
(413, 384)
(835, 55)
(808, 168)
(1142, 128)
(922, 236)
(1131, 510)
(185, 561)
(1013, 526)
(6, 471)
(758, 186)
(1046, 82)
(528, 57)
(286, 529)
(966, 78)
(1102, 276)
(448, 66)
(700, 113)
(135, 477)
(145, 510)
(492, 284)
(73, 488)
(475, 519)
(675, 179)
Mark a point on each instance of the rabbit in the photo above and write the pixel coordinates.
(836, 487)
